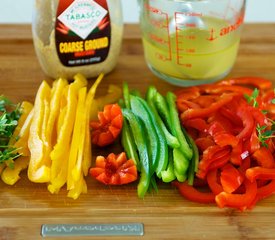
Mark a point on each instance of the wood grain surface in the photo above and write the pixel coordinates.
(25, 206)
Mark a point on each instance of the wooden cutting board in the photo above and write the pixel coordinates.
(25, 206)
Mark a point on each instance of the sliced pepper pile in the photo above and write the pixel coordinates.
(152, 136)
(232, 123)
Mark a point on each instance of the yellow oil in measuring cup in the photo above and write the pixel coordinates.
(193, 53)
(191, 46)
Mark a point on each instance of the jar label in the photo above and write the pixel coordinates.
(82, 32)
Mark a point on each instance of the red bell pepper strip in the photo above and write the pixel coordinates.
(225, 123)
(188, 93)
(114, 170)
(215, 89)
(204, 142)
(212, 181)
(106, 130)
(184, 105)
(247, 119)
(246, 163)
(236, 154)
(220, 163)
(254, 142)
(197, 123)
(264, 158)
(212, 154)
(264, 192)
(231, 178)
(258, 82)
(205, 112)
(226, 139)
(231, 115)
(256, 173)
(192, 194)
(241, 201)
(205, 101)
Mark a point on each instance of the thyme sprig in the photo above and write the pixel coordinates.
(253, 98)
(265, 132)
(9, 116)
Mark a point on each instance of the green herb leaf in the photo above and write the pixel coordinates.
(9, 116)
(253, 98)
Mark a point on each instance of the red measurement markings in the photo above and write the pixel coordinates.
(162, 57)
(181, 38)
(187, 37)
(212, 36)
(188, 25)
(186, 50)
(152, 9)
(163, 24)
(169, 39)
(226, 30)
(179, 16)
(177, 37)
(158, 24)
(186, 65)
(192, 14)
(158, 39)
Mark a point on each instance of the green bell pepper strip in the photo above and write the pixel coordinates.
(163, 110)
(153, 184)
(127, 139)
(193, 168)
(145, 176)
(126, 95)
(135, 92)
(171, 140)
(168, 175)
(140, 108)
(181, 165)
(129, 145)
(176, 126)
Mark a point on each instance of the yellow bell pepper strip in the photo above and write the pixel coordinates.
(80, 187)
(63, 108)
(75, 181)
(87, 159)
(22, 143)
(11, 175)
(56, 96)
(26, 108)
(81, 80)
(113, 95)
(65, 124)
(38, 170)
(61, 177)
(75, 162)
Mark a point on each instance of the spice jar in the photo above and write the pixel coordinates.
(72, 36)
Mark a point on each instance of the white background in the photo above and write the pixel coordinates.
(20, 11)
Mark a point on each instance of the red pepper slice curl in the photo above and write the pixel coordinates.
(192, 194)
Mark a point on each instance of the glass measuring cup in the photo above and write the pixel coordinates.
(191, 42)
